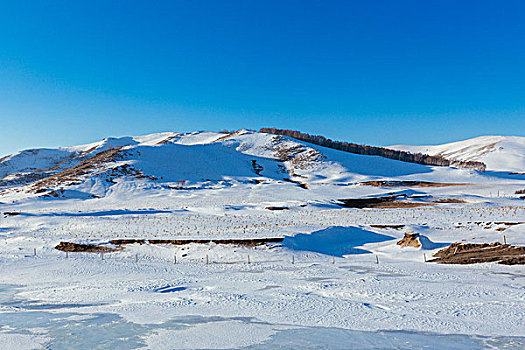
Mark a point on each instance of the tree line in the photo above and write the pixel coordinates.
(403, 156)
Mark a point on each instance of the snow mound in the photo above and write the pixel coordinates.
(417, 240)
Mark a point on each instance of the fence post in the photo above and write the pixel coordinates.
(207, 260)
(248, 259)
(377, 260)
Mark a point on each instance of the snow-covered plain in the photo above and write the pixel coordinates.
(320, 288)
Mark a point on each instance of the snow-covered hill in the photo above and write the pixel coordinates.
(499, 153)
(213, 160)
(164, 157)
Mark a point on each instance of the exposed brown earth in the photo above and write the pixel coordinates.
(365, 202)
(386, 202)
(520, 192)
(93, 248)
(509, 223)
(449, 200)
(84, 248)
(395, 227)
(166, 140)
(227, 135)
(300, 184)
(257, 167)
(474, 253)
(410, 240)
(487, 225)
(74, 173)
(277, 208)
(385, 183)
(245, 242)
(401, 204)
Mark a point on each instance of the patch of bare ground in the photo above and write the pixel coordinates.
(520, 192)
(449, 200)
(19, 179)
(166, 140)
(257, 167)
(243, 242)
(72, 175)
(84, 248)
(299, 156)
(70, 158)
(277, 208)
(388, 183)
(395, 227)
(402, 204)
(300, 184)
(227, 135)
(475, 253)
(386, 202)
(509, 223)
(183, 188)
(410, 240)
(487, 225)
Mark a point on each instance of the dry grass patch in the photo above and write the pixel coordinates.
(388, 183)
(475, 253)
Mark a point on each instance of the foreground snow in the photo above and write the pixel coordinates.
(338, 280)
(323, 278)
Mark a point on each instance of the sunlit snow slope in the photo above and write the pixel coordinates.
(207, 159)
(499, 153)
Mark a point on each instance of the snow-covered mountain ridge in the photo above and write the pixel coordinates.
(207, 159)
(499, 153)
(170, 157)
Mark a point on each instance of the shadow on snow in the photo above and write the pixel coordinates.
(335, 240)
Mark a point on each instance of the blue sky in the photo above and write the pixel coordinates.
(376, 72)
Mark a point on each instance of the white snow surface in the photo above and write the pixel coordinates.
(323, 279)
(499, 153)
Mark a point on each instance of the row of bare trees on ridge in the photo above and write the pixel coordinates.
(404, 156)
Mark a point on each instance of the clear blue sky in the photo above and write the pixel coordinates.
(376, 72)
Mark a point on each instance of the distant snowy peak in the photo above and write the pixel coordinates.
(499, 153)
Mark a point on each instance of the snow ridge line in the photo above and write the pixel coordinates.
(403, 156)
